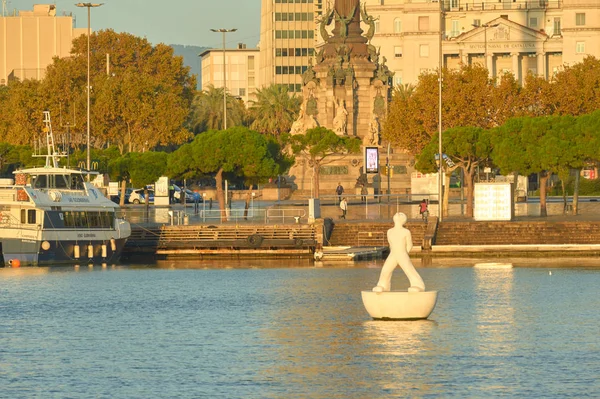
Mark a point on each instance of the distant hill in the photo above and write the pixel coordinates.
(191, 59)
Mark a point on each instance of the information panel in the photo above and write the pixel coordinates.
(493, 201)
(372, 159)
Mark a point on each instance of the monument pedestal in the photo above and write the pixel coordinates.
(399, 305)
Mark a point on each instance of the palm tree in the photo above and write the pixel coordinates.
(207, 111)
(404, 91)
(274, 110)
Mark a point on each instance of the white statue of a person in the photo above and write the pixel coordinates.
(400, 241)
(298, 127)
(341, 118)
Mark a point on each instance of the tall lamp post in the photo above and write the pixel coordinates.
(224, 31)
(485, 28)
(441, 167)
(89, 7)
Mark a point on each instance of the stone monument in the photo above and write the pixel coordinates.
(348, 88)
(413, 304)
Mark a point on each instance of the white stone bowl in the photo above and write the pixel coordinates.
(399, 305)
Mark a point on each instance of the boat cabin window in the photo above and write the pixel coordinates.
(69, 182)
(28, 216)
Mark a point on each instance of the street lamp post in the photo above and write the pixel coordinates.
(485, 54)
(89, 7)
(224, 31)
(441, 167)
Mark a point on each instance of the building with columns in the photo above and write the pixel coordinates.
(518, 36)
(30, 39)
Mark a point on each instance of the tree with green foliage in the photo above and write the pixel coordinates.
(467, 147)
(469, 98)
(543, 145)
(237, 151)
(321, 146)
(207, 111)
(13, 157)
(274, 110)
(142, 103)
(21, 108)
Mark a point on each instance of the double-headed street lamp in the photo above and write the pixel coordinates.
(440, 166)
(485, 28)
(89, 7)
(224, 31)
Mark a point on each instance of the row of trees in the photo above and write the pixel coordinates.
(525, 145)
(471, 98)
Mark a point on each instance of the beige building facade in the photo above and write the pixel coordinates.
(30, 39)
(241, 71)
(517, 36)
(288, 39)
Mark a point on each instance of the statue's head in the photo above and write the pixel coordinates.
(400, 219)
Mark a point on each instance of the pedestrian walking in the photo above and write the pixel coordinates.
(363, 193)
(343, 207)
(339, 191)
(423, 210)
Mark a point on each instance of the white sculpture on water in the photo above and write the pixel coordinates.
(415, 303)
(400, 240)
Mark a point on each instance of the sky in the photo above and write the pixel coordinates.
(186, 22)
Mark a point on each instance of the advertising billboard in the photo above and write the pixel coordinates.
(372, 159)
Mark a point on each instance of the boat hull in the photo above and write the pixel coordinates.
(47, 253)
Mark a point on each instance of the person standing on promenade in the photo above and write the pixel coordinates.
(363, 193)
(339, 191)
(343, 207)
(423, 210)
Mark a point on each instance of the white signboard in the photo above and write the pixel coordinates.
(493, 201)
(426, 184)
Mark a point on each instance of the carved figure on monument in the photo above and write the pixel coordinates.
(323, 22)
(340, 121)
(383, 72)
(339, 73)
(350, 76)
(369, 20)
(309, 75)
(374, 129)
(320, 55)
(373, 54)
(379, 103)
(344, 21)
(298, 126)
(344, 52)
(311, 101)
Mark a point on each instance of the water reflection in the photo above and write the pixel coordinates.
(397, 338)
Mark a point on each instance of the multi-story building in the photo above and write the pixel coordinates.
(518, 36)
(30, 39)
(241, 65)
(287, 40)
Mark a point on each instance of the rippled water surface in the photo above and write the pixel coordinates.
(291, 330)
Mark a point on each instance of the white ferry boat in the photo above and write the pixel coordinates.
(51, 215)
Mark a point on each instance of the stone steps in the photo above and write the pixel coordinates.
(517, 233)
(363, 234)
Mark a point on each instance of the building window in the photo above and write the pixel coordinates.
(397, 25)
(242, 92)
(398, 51)
(533, 22)
(423, 24)
(251, 63)
(424, 50)
(580, 19)
(377, 26)
(397, 78)
(455, 28)
(580, 47)
(476, 23)
(557, 27)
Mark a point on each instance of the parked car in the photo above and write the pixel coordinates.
(189, 195)
(137, 196)
(192, 196)
(117, 198)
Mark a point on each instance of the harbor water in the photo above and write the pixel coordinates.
(289, 329)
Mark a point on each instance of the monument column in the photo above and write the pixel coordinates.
(489, 64)
(515, 66)
(541, 64)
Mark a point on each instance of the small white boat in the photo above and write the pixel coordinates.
(52, 215)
